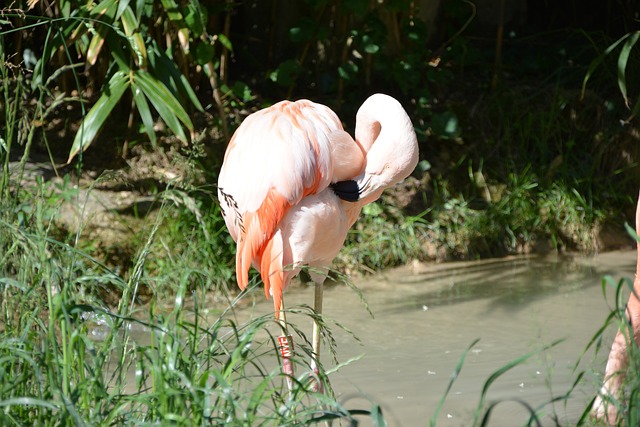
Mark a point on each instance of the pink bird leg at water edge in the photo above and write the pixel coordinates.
(604, 407)
(293, 182)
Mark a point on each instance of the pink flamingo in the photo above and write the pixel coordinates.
(603, 408)
(292, 184)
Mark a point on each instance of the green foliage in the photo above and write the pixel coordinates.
(194, 239)
(112, 40)
(628, 42)
(381, 238)
(522, 213)
(67, 357)
(357, 45)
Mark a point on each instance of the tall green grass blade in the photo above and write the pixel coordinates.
(498, 373)
(123, 5)
(106, 8)
(487, 415)
(28, 401)
(454, 376)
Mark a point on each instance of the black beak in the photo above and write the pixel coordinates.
(347, 190)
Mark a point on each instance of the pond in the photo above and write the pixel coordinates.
(425, 317)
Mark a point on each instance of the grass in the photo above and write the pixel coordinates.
(66, 357)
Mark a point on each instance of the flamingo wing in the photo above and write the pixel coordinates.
(277, 156)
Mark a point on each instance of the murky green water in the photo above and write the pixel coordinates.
(425, 318)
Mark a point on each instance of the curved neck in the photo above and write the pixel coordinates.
(385, 132)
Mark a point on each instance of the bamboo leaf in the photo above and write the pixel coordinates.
(634, 111)
(623, 59)
(174, 14)
(596, 62)
(165, 69)
(130, 24)
(107, 8)
(196, 18)
(172, 10)
(224, 40)
(165, 103)
(123, 5)
(144, 111)
(95, 46)
(95, 118)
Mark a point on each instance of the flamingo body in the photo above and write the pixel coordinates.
(281, 186)
(276, 167)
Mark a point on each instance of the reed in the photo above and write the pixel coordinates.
(67, 357)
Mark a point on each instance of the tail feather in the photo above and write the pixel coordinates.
(259, 228)
(271, 270)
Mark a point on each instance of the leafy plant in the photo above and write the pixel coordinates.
(628, 43)
(66, 356)
(114, 42)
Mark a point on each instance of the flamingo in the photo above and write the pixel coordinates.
(618, 361)
(293, 182)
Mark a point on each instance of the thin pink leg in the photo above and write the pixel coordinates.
(285, 342)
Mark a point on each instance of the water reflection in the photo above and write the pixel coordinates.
(426, 317)
(507, 282)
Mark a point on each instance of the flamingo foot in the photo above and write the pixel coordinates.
(315, 385)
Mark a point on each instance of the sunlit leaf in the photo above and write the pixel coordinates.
(172, 10)
(623, 58)
(369, 45)
(95, 118)
(130, 24)
(596, 62)
(174, 14)
(195, 18)
(165, 103)
(106, 8)
(224, 41)
(286, 72)
(123, 5)
(95, 46)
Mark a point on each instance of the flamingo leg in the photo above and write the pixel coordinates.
(317, 306)
(286, 347)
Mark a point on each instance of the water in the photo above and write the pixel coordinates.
(427, 316)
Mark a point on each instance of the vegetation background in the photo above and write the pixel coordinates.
(117, 114)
